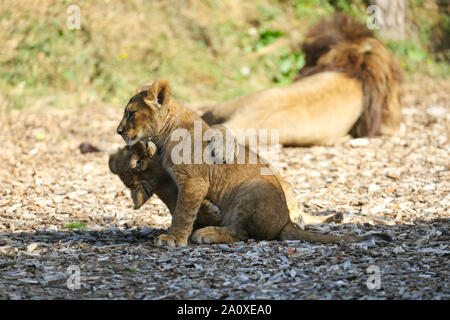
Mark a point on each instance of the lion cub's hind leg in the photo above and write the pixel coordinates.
(210, 235)
(208, 215)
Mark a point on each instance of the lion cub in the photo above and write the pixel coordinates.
(252, 205)
(142, 173)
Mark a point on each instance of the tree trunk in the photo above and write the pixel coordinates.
(391, 19)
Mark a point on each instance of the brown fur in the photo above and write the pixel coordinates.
(349, 85)
(150, 178)
(252, 205)
(344, 45)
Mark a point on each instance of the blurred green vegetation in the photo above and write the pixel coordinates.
(76, 225)
(209, 50)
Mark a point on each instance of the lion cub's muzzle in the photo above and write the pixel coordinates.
(129, 141)
(123, 133)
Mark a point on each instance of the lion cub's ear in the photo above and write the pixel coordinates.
(144, 150)
(151, 148)
(139, 149)
(158, 94)
(145, 86)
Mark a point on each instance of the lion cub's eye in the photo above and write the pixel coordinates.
(130, 114)
(139, 164)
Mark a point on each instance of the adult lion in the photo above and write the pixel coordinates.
(350, 85)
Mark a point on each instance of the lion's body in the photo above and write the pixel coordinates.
(316, 110)
(350, 85)
(252, 202)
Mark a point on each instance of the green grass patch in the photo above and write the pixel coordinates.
(415, 59)
(76, 225)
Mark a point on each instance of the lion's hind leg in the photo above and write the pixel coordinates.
(331, 141)
(210, 235)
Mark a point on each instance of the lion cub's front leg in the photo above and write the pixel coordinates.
(191, 192)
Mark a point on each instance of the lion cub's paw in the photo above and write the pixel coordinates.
(170, 240)
(210, 235)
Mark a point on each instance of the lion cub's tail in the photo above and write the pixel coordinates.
(297, 215)
(344, 45)
(293, 232)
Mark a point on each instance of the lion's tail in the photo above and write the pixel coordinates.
(344, 45)
(297, 215)
(293, 232)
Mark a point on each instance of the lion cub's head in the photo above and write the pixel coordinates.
(144, 114)
(139, 169)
